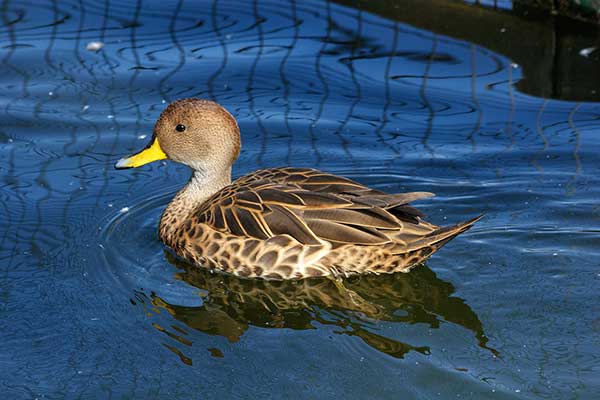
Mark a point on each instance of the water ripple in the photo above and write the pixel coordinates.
(93, 303)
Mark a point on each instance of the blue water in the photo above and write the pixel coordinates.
(91, 305)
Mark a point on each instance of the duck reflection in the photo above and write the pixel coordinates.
(231, 305)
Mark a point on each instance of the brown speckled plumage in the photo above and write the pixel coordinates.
(282, 223)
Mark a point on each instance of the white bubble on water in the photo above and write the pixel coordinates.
(587, 51)
(94, 46)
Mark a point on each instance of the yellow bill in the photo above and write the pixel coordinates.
(152, 152)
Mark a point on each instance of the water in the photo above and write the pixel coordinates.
(92, 306)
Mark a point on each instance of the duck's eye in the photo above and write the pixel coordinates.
(180, 128)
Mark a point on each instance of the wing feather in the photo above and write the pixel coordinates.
(311, 206)
(392, 200)
(341, 233)
(251, 223)
(233, 224)
(373, 218)
(322, 200)
(283, 221)
(219, 218)
(278, 196)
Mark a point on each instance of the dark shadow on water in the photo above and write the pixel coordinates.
(231, 305)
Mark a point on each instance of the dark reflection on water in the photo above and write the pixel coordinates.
(90, 306)
(231, 305)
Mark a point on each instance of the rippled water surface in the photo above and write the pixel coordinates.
(93, 306)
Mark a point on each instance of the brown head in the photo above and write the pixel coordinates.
(198, 133)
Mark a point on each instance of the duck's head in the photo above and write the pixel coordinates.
(198, 133)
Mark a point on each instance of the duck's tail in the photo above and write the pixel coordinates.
(444, 234)
(424, 247)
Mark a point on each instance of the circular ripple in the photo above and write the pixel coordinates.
(133, 256)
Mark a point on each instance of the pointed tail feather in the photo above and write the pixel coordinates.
(443, 235)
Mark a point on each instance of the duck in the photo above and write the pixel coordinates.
(278, 223)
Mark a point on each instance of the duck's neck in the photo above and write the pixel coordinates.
(200, 187)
